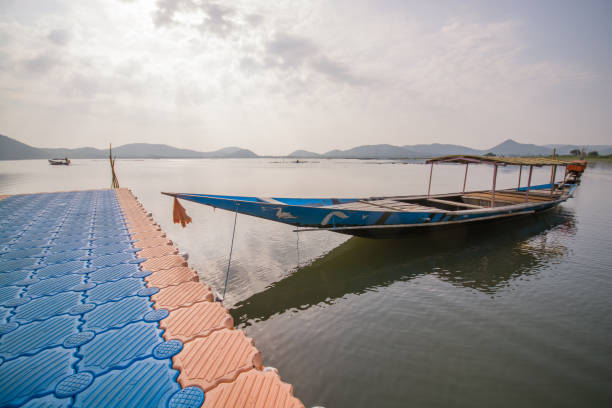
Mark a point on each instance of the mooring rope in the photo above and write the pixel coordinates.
(297, 246)
(229, 261)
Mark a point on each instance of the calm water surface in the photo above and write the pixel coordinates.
(519, 314)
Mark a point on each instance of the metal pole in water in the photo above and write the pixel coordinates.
(528, 184)
(553, 174)
(494, 182)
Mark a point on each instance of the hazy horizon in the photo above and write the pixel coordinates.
(316, 76)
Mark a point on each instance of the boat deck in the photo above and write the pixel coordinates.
(440, 203)
(98, 309)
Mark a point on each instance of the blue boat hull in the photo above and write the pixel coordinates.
(333, 214)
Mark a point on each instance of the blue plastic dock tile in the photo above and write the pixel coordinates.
(12, 277)
(54, 285)
(4, 314)
(118, 348)
(146, 383)
(62, 269)
(63, 247)
(32, 337)
(115, 290)
(73, 384)
(110, 241)
(23, 253)
(41, 243)
(48, 401)
(190, 397)
(34, 376)
(66, 256)
(112, 249)
(18, 264)
(113, 273)
(113, 259)
(9, 293)
(117, 314)
(48, 306)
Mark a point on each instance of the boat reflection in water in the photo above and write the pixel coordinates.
(483, 258)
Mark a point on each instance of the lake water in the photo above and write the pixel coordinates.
(519, 314)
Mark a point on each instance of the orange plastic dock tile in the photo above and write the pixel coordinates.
(182, 295)
(220, 357)
(163, 262)
(144, 228)
(153, 242)
(156, 252)
(198, 320)
(172, 277)
(148, 235)
(253, 388)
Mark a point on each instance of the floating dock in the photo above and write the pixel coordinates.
(98, 309)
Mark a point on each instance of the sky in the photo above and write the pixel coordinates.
(276, 76)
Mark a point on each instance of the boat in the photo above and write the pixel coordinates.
(380, 217)
(60, 162)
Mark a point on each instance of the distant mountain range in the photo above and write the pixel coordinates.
(507, 148)
(11, 149)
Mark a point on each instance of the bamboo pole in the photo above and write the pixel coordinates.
(114, 180)
(465, 177)
(519, 181)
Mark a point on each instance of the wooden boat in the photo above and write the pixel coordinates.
(59, 162)
(395, 215)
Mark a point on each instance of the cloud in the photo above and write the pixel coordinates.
(214, 18)
(293, 52)
(41, 64)
(59, 37)
(254, 19)
(217, 19)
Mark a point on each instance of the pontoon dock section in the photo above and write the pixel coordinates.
(97, 309)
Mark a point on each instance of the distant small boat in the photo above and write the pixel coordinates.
(396, 215)
(59, 162)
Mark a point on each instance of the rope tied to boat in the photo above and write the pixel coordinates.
(179, 214)
(229, 261)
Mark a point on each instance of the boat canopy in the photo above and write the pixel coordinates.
(503, 161)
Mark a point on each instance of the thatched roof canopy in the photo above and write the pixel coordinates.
(502, 161)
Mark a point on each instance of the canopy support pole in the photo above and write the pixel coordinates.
(430, 174)
(520, 174)
(465, 177)
(553, 174)
(494, 182)
(528, 184)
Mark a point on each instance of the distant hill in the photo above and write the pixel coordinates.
(512, 148)
(11, 149)
(437, 149)
(380, 151)
(304, 154)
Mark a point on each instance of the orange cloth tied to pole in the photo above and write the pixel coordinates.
(179, 214)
